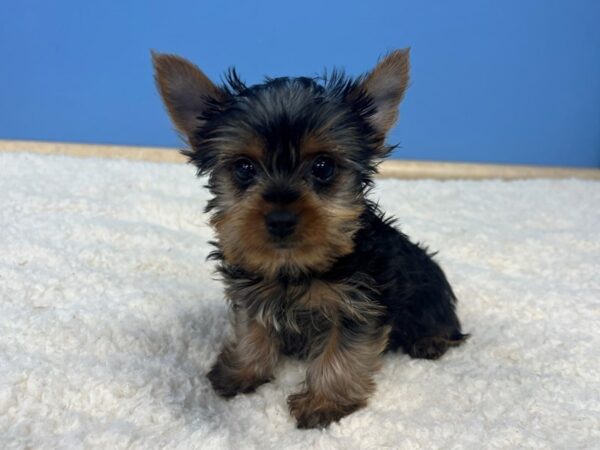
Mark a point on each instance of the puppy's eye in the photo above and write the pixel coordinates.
(244, 171)
(323, 168)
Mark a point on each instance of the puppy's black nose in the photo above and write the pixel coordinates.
(281, 223)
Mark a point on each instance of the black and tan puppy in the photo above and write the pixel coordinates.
(311, 267)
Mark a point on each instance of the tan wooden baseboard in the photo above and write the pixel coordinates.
(388, 169)
(154, 154)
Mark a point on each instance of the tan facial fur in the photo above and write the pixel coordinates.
(324, 233)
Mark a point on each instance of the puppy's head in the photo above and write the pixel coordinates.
(288, 160)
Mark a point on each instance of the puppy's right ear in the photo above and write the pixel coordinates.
(185, 90)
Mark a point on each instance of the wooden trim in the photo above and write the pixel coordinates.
(154, 154)
(473, 171)
(388, 169)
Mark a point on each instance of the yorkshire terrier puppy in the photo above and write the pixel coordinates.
(311, 267)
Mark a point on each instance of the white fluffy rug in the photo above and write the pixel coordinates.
(110, 317)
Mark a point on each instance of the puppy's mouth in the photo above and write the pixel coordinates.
(286, 243)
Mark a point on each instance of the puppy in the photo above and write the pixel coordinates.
(311, 266)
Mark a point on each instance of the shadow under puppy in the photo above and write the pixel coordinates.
(311, 266)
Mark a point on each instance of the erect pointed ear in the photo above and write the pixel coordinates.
(185, 90)
(385, 85)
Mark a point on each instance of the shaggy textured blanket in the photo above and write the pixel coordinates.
(110, 317)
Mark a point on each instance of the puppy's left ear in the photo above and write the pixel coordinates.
(385, 86)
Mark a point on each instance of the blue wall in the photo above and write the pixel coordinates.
(501, 81)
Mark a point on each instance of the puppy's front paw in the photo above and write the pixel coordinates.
(228, 382)
(315, 411)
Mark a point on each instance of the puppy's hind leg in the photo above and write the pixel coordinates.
(434, 347)
(426, 325)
